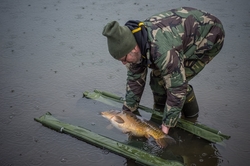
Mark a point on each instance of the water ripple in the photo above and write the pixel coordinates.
(232, 66)
(70, 158)
(18, 135)
(12, 92)
(35, 161)
(3, 163)
(95, 156)
(5, 120)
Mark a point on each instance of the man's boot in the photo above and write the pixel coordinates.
(190, 108)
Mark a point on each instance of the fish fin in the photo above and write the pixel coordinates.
(130, 135)
(165, 141)
(118, 119)
(147, 136)
(110, 126)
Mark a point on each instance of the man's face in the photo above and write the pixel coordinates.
(133, 57)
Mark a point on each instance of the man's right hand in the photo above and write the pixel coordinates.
(165, 129)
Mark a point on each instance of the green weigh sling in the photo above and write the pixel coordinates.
(200, 130)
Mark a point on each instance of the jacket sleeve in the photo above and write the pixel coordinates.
(173, 73)
(136, 77)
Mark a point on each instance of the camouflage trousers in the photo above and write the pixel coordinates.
(193, 66)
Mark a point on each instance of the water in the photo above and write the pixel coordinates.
(52, 51)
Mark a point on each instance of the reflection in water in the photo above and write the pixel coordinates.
(189, 150)
(194, 149)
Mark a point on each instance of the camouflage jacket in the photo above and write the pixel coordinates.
(173, 36)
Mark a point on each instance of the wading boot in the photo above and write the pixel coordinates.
(190, 108)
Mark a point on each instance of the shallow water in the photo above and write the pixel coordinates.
(52, 51)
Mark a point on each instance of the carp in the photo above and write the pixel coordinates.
(133, 125)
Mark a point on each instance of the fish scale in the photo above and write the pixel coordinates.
(133, 125)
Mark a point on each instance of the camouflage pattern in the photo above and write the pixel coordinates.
(182, 41)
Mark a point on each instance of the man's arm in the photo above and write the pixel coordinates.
(136, 77)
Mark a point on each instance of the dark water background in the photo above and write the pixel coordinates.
(53, 50)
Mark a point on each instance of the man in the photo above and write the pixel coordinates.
(176, 44)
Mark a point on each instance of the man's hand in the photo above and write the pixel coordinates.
(165, 129)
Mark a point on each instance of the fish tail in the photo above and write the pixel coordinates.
(165, 141)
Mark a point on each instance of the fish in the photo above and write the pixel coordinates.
(133, 125)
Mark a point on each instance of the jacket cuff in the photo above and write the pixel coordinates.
(171, 117)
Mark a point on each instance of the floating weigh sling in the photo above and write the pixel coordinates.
(122, 149)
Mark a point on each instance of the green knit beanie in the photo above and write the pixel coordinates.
(121, 41)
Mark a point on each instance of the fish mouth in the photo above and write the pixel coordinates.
(106, 114)
(103, 113)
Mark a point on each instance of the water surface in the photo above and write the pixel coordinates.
(52, 51)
